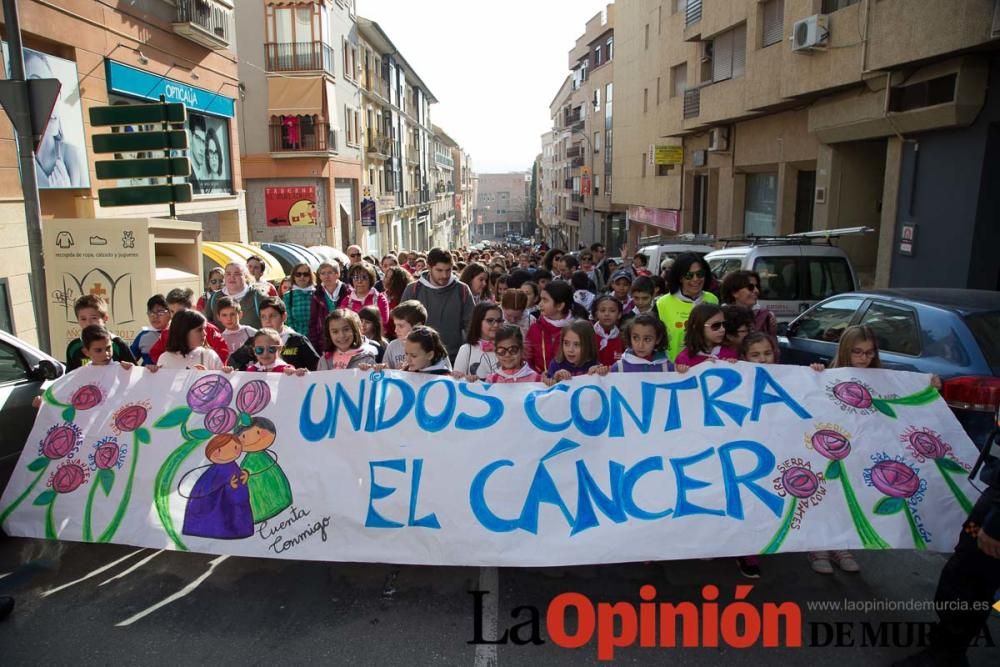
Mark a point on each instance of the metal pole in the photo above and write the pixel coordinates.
(20, 116)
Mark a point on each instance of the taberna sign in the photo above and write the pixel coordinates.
(126, 80)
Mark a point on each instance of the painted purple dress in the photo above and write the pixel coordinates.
(217, 510)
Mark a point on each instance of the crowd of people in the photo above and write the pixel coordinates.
(499, 315)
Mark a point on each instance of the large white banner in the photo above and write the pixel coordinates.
(403, 468)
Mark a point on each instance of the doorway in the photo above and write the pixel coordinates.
(699, 217)
(805, 201)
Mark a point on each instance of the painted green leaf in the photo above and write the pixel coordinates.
(245, 419)
(142, 435)
(950, 466)
(45, 498)
(833, 470)
(927, 395)
(51, 399)
(175, 417)
(107, 480)
(38, 464)
(69, 414)
(883, 407)
(200, 434)
(887, 506)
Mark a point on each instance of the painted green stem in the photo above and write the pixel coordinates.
(50, 524)
(957, 492)
(869, 537)
(116, 520)
(164, 483)
(918, 539)
(783, 530)
(17, 501)
(88, 535)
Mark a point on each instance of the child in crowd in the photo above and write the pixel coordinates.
(607, 314)
(216, 280)
(425, 353)
(534, 293)
(98, 346)
(371, 330)
(296, 348)
(90, 310)
(298, 300)
(476, 357)
(647, 352)
(515, 310)
(228, 313)
(266, 347)
(179, 300)
(542, 278)
(640, 265)
(186, 345)
(577, 354)
(542, 343)
(159, 319)
(738, 323)
(346, 347)
(621, 283)
(405, 317)
(582, 296)
(704, 334)
(511, 366)
(659, 287)
(642, 292)
(498, 285)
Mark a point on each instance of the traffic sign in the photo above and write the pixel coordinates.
(137, 114)
(150, 168)
(145, 194)
(129, 142)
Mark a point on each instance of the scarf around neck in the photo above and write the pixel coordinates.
(560, 324)
(686, 299)
(605, 336)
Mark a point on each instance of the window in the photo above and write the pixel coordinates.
(597, 142)
(827, 322)
(779, 277)
(772, 22)
(597, 56)
(662, 169)
(597, 99)
(895, 328)
(721, 268)
(827, 276)
(12, 366)
(729, 53)
(646, 35)
(939, 90)
(611, 45)
(644, 165)
(352, 126)
(760, 214)
(830, 6)
(678, 80)
(597, 184)
(645, 100)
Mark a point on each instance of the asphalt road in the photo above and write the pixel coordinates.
(106, 604)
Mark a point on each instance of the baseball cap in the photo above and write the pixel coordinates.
(621, 273)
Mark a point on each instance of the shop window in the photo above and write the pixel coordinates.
(760, 214)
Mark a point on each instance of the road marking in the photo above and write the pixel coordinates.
(489, 580)
(176, 596)
(96, 572)
(133, 568)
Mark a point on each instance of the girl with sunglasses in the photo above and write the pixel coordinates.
(267, 355)
(476, 358)
(216, 281)
(298, 301)
(511, 366)
(704, 335)
(686, 289)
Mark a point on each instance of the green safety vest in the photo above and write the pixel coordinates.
(674, 313)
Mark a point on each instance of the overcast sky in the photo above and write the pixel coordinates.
(494, 67)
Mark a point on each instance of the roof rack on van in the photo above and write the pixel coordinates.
(680, 239)
(800, 238)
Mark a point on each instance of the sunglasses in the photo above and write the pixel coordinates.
(302, 274)
(508, 351)
(360, 277)
(216, 281)
(270, 349)
(355, 254)
(715, 326)
(493, 320)
(753, 287)
(157, 313)
(691, 275)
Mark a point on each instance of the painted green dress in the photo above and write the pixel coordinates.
(270, 493)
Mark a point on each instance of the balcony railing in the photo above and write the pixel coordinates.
(573, 116)
(692, 102)
(205, 22)
(444, 160)
(576, 162)
(568, 184)
(574, 151)
(577, 198)
(414, 197)
(379, 145)
(298, 57)
(377, 85)
(315, 137)
(573, 214)
(693, 12)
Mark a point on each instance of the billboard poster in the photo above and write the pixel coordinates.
(291, 207)
(209, 153)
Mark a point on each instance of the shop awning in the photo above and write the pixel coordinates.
(294, 95)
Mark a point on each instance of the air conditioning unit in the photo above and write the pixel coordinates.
(811, 33)
(718, 140)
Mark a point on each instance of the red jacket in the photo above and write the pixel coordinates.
(611, 353)
(212, 337)
(541, 344)
(373, 298)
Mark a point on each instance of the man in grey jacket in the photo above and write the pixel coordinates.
(448, 302)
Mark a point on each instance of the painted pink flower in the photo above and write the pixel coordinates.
(69, 477)
(130, 417)
(86, 397)
(61, 440)
(253, 397)
(208, 393)
(928, 444)
(221, 420)
(853, 394)
(894, 478)
(800, 482)
(831, 444)
(108, 453)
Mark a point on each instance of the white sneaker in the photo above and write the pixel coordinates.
(845, 561)
(820, 562)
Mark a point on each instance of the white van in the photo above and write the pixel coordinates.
(658, 253)
(794, 274)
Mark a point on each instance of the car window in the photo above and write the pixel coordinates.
(986, 330)
(779, 278)
(827, 321)
(721, 267)
(12, 368)
(827, 276)
(895, 328)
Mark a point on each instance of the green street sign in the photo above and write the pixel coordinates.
(145, 194)
(137, 114)
(130, 142)
(150, 168)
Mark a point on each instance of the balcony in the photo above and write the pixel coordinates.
(568, 184)
(577, 198)
(572, 116)
(205, 22)
(376, 84)
(574, 151)
(444, 160)
(305, 138)
(298, 57)
(573, 214)
(576, 162)
(692, 102)
(379, 145)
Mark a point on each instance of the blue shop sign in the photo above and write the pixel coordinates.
(126, 80)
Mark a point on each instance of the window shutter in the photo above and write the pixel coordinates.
(774, 17)
(722, 57)
(739, 51)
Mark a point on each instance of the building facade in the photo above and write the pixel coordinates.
(502, 205)
(129, 53)
(564, 221)
(801, 115)
(548, 185)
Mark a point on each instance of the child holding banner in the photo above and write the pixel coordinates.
(647, 352)
(425, 353)
(345, 346)
(266, 350)
(405, 317)
(556, 313)
(704, 335)
(511, 365)
(577, 354)
(476, 358)
(607, 313)
(186, 345)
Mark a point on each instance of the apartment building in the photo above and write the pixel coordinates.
(548, 184)
(564, 223)
(502, 206)
(779, 116)
(300, 105)
(466, 186)
(121, 53)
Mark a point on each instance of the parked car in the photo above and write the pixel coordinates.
(793, 275)
(954, 333)
(24, 372)
(658, 253)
